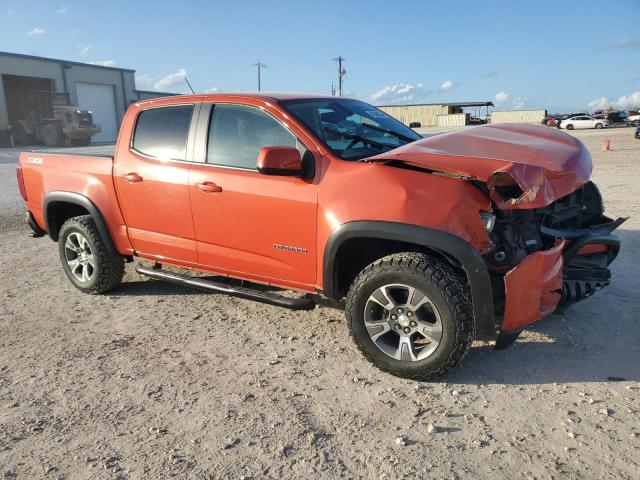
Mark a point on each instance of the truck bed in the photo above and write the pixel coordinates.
(61, 172)
(106, 151)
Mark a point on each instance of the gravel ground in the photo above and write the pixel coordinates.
(156, 381)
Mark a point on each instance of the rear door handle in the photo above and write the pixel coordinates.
(209, 187)
(132, 177)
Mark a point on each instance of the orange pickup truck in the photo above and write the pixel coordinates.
(432, 241)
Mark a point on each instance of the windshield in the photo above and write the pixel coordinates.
(351, 129)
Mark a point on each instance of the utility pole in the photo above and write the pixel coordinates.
(260, 66)
(341, 73)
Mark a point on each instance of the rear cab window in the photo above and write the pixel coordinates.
(163, 132)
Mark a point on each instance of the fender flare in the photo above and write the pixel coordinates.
(443, 242)
(82, 201)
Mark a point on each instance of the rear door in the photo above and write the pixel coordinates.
(151, 176)
(257, 226)
(583, 122)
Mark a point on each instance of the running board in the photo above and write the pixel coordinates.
(243, 292)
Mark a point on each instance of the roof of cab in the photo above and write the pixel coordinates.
(265, 96)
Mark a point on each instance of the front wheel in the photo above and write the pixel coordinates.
(569, 127)
(411, 315)
(87, 261)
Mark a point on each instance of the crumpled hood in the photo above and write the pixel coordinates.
(544, 163)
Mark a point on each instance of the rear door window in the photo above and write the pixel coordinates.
(163, 132)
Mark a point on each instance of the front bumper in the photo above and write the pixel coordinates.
(550, 280)
(76, 133)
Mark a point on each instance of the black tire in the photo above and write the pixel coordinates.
(52, 135)
(598, 126)
(20, 135)
(446, 289)
(569, 127)
(81, 142)
(108, 266)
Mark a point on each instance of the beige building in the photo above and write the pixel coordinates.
(518, 116)
(433, 114)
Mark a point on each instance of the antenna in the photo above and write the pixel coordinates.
(260, 66)
(187, 80)
(341, 73)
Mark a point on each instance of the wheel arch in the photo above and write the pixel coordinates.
(444, 244)
(59, 206)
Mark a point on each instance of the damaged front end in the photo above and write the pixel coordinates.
(544, 259)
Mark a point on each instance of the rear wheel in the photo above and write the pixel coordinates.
(598, 126)
(20, 135)
(52, 135)
(411, 315)
(569, 127)
(86, 259)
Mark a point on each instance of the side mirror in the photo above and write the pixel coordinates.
(285, 161)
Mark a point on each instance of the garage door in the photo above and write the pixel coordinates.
(100, 99)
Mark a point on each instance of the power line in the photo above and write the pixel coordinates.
(260, 66)
(341, 73)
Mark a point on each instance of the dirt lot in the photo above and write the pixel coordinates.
(157, 381)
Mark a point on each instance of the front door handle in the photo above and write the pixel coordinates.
(132, 177)
(209, 187)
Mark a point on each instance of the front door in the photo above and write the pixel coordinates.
(262, 227)
(151, 179)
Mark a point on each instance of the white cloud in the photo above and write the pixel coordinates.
(84, 49)
(104, 63)
(401, 93)
(63, 10)
(448, 85)
(518, 103)
(170, 80)
(626, 102)
(144, 81)
(36, 31)
(212, 90)
(501, 96)
(627, 43)
(599, 103)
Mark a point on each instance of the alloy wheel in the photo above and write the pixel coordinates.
(403, 322)
(79, 257)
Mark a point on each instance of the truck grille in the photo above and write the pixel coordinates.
(85, 119)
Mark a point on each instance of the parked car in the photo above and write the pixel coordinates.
(633, 118)
(637, 135)
(583, 122)
(432, 242)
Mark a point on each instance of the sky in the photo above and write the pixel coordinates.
(562, 56)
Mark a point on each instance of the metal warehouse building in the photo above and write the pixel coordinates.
(434, 114)
(105, 91)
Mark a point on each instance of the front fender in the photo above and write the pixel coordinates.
(446, 243)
